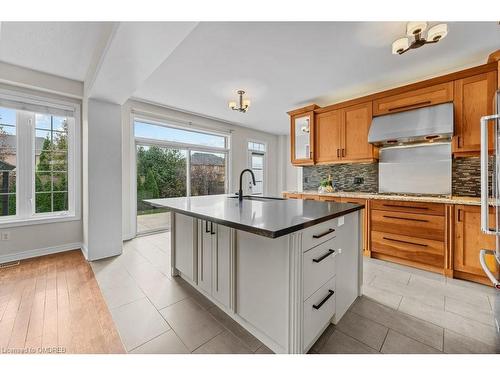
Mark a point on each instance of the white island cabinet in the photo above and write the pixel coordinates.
(284, 290)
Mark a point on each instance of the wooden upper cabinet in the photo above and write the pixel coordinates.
(356, 124)
(469, 240)
(302, 138)
(423, 97)
(473, 99)
(328, 135)
(341, 136)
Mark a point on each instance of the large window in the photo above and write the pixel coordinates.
(176, 162)
(37, 169)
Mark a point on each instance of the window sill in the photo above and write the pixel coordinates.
(38, 220)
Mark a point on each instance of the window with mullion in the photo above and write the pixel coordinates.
(8, 162)
(51, 163)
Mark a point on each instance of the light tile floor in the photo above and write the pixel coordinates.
(403, 310)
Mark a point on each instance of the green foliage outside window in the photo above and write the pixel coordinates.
(161, 172)
(51, 181)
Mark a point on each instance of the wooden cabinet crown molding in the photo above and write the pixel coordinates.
(303, 110)
(485, 68)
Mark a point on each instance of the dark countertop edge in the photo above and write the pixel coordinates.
(265, 232)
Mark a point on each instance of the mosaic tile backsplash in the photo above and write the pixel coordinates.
(343, 176)
(466, 176)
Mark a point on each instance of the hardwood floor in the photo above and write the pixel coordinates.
(53, 304)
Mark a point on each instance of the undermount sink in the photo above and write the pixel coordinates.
(255, 198)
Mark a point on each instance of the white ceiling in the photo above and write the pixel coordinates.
(61, 48)
(283, 66)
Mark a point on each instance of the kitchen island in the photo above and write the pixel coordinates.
(283, 269)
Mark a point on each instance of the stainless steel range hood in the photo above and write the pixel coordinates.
(414, 126)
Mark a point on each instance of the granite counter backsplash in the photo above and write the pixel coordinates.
(466, 176)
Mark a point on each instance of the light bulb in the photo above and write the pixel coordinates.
(399, 46)
(246, 103)
(414, 28)
(232, 104)
(437, 32)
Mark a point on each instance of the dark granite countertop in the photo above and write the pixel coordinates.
(269, 218)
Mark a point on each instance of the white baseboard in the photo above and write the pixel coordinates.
(128, 236)
(85, 251)
(39, 252)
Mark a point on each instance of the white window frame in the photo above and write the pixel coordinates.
(265, 166)
(25, 161)
(170, 123)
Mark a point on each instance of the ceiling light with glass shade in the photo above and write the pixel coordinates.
(241, 105)
(416, 37)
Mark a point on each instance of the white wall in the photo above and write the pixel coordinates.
(293, 175)
(39, 239)
(239, 156)
(103, 174)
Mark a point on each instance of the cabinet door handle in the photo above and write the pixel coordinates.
(410, 105)
(324, 256)
(324, 234)
(318, 306)
(212, 228)
(338, 153)
(206, 227)
(411, 207)
(405, 218)
(407, 242)
(343, 152)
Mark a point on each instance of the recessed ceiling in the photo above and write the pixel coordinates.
(286, 65)
(61, 48)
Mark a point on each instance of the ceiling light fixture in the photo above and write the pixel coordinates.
(416, 31)
(242, 105)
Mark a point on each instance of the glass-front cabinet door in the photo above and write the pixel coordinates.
(302, 133)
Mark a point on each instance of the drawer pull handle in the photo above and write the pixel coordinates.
(324, 234)
(406, 218)
(212, 228)
(408, 242)
(206, 227)
(324, 256)
(399, 206)
(409, 105)
(318, 306)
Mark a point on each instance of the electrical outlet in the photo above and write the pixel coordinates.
(358, 180)
(4, 236)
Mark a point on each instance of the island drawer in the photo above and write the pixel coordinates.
(317, 234)
(411, 248)
(318, 310)
(431, 227)
(319, 266)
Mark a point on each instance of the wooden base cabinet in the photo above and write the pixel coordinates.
(409, 232)
(468, 241)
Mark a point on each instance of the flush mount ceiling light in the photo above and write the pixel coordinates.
(242, 105)
(416, 39)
